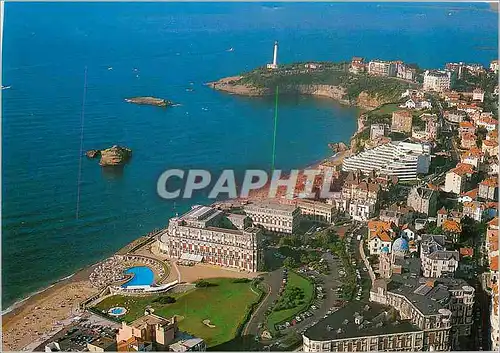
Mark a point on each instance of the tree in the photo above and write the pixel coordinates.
(289, 262)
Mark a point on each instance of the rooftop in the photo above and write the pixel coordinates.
(103, 342)
(491, 182)
(376, 319)
(427, 295)
(271, 206)
(185, 345)
(150, 319)
(199, 213)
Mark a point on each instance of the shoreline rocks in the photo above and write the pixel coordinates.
(158, 102)
(338, 147)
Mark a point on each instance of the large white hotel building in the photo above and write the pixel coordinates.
(399, 158)
(198, 236)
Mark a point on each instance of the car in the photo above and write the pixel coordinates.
(287, 324)
(298, 319)
(313, 307)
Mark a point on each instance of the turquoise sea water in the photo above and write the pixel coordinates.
(47, 45)
(143, 276)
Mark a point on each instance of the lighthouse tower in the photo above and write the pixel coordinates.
(274, 65)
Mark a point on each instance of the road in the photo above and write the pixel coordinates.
(272, 281)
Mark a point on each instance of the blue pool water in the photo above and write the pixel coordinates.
(118, 311)
(143, 276)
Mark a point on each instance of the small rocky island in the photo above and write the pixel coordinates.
(113, 156)
(159, 102)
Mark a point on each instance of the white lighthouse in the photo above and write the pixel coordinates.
(274, 65)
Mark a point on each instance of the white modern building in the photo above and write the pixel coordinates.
(402, 159)
(438, 81)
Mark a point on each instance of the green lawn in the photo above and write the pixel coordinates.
(385, 109)
(294, 280)
(225, 305)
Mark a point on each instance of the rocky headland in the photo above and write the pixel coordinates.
(331, 81)
(159, 102)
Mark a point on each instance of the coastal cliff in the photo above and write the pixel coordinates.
(368, 101)
(234, 86)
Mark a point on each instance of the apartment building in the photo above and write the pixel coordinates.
(401, 159)
(438, 81)
(274, 216)
(316, 209)
(401, 121)
(423, 200)
(378, 130)
(361, 210)
(442, 307)
(359, 327)
(382, 68)
(456, 178)
(199, 235)
(436, 261)
(488, 189)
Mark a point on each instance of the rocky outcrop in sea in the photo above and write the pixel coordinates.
(113, 156)
(159, 102)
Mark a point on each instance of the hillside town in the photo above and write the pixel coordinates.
(403, 256)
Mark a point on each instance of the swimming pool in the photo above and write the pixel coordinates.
(143, 276)
(117, 311)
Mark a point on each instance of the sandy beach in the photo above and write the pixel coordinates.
(37, 318)
(45, 313)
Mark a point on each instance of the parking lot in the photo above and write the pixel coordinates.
(76, 336)
(326, 301)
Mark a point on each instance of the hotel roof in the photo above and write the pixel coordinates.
(270, 205)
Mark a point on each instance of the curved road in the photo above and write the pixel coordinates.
(272, 281)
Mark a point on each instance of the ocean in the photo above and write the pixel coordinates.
(161, 49)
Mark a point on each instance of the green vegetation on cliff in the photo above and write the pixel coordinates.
(290, 77)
